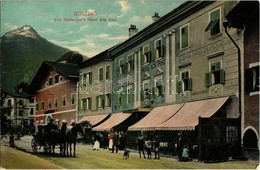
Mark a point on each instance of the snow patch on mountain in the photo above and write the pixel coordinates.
(25, 31)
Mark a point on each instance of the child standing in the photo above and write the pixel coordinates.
(149, 149)
(185, 153)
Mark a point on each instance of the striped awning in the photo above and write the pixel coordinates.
(93, 119)
(188, 116)
(114, 120)
(157, 116)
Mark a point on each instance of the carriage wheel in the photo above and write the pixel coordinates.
(34, 145)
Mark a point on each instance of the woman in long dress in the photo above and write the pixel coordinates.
(97, 142)
(110, 139)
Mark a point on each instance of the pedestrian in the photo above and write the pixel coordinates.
(97, 142)
(110, 140)
(156, 144)
(149, 149)
(180, 144)
(185, 153)
(115, 142)
(141, 145)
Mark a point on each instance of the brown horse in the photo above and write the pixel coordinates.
(72, 138)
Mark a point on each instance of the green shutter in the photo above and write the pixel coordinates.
(153, 92)
(108, 72)
(142, 60)
(97, 102)
(90, 103)
(190, 84)
(184, 36)
(153, 53)
(179, 87)
(142, 95)
(214, 15)
(146, 49)
(222, 76)
(208, 79)
(162, 53)
(90, 78)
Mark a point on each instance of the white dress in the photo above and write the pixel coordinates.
(110, 145)
(96, 145)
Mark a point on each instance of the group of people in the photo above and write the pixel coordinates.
(113, 141)
(150, 145)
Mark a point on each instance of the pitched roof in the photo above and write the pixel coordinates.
(69, 71)
(16, 94)
(69, 55)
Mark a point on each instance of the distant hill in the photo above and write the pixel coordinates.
(22, 52)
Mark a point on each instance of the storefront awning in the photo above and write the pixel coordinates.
(114, 120)
(157, 116)
(188, 116)
(93, 119)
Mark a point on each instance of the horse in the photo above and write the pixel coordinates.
(55, 137)
(72, 138)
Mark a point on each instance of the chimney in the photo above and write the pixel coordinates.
(132, 30)
(155, 17)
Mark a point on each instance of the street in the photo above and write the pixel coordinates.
(88, 158)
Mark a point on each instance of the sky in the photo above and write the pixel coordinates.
(86, 26)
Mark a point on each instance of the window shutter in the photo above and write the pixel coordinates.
(153, 53)
(90, 103)
(97, 102)
(208, 79)
(90, 78)
(162, 51)
(154, 92)
(142, 95)
(222, 76)
(190, 84)
(179, 87)
(149, 56)
(249, 80)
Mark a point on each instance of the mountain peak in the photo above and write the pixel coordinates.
(25, 31)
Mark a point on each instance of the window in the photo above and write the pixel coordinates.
(214, 22)
(108, 99)
(159, 49)
(100, 101)
(107, 72)
(184, 36)
(56, 78)
(158, 90)
(37, 107)
(100, 73)
(185, 83)
(119, 97)
(83, 104)
(146, 91)
(89, 103)
(121, 66)
(49, 104)
(216, 76)
(50, 81)
(72, 99)
(31, 111)
(86, 78)
(9, 103)
(42, 106)
(64, 101)
(252, 79)
(130, 93)
(146, 58)
(56, 102)
(130, 63)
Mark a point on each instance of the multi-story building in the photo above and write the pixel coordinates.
(244, 18)
(95, 89)
(21, 108)
(55, 89)
(180, 65)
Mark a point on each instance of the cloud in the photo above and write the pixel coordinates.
(125, 7)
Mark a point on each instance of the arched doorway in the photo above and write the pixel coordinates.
(48, 118)
(250, 139)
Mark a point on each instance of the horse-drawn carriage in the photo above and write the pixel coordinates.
(41, 139)
(50, 137)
